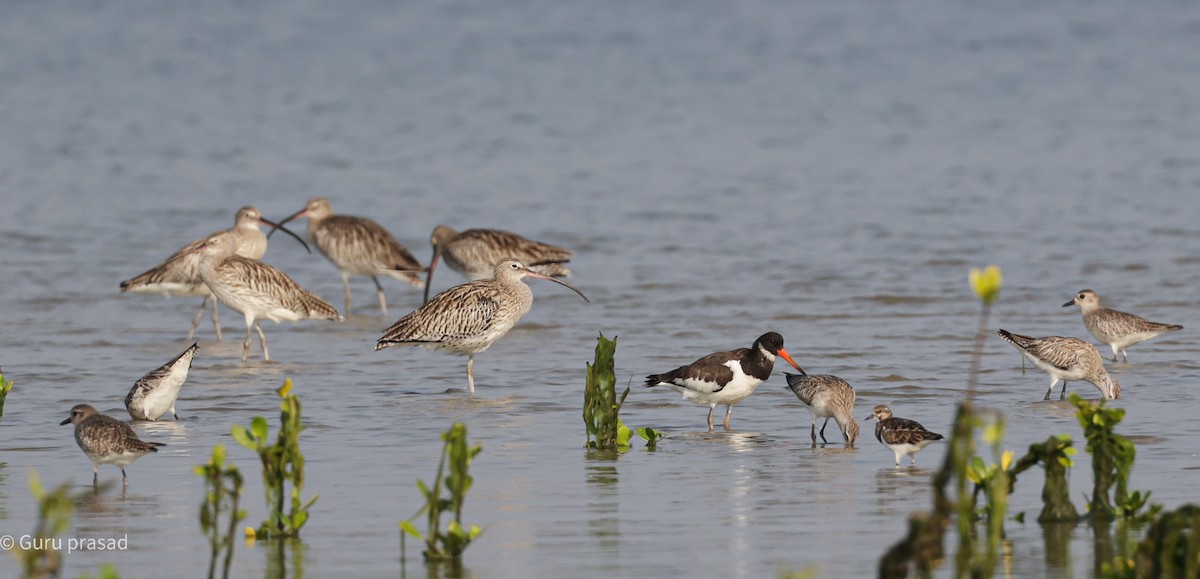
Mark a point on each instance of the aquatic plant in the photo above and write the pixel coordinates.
(601, 407)
(41, 556)
(1171, 548)
(448, 545)
(223, 486)
(651, 436)
(1112, 462)
(5, 386)
(1055, 457)
(282, 464)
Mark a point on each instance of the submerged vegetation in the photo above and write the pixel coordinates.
(282, 464)
(446, 545)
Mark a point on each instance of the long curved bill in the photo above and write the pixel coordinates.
(564, 284)
(279, 225)
(429, 277)
(783, 354)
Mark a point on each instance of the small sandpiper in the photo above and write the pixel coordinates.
(1117, 329)
(900, 435)
(155, 393)
(826, 396)
(1065, 359)
(106, 440)
(725, 377)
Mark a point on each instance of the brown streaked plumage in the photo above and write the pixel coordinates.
(106, 440)
(1065, 359)
(178, 276)
(900, 435)
(358, 246)
(725, 377)
(257, 290)
(826, 396)
(1117, 329)
(475, 253)
(155, 393)
(468, 318)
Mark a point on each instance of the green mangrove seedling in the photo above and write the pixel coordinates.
(601, 407)
(448, 545)
(282, 463)
(1112, 461)
(223, 490)
(42, 555)
(1171, 548)
(1055, 457)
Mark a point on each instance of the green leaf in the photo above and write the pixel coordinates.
(411, 529)
(242, 436)
(259, 428)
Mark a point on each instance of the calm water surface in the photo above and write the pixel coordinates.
(828, 171)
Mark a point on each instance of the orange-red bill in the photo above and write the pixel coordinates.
(783, 354)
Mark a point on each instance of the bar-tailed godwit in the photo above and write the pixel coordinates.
(475, 253)
(1065, 359)
(155, 393)
(106, 440)
(725, 377)
(358, 246)
(177, 275)
(468, 318)
(826, 396)
(1117, 329)
(256, 290)
(900, 435)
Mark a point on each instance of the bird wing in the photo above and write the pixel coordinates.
(463, 311)
(708, 374)
(903, 431)
(341, 236)
(1114, 323)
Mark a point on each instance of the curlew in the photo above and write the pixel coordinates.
(475, 253)
(468, 318)
(256, 290)
(358, 246)
(177, 275)
(1065, 359)
(725, 377)
(826, 397)
(155, 393)
(106, 440)
(1117, 329)
(900, 435)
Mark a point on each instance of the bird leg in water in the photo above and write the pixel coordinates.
(382, 297)
(471, 373)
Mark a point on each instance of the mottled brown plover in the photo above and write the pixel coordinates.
(1117, 329)
(106, 440)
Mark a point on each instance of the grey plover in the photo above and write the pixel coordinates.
(155, 393)
(725, 377)
(475, 253)
(257, 290)
(1065, 359)
(1117, 329)
(826, 396)
(106, 440)
(900, 435)
(469, 318)
(358, 246)
(177, 275)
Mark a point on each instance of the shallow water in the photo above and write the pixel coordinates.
(828, 171)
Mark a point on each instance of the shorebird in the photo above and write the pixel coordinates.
(725, 377)
(900, 435)
(1065, 359)
(358, 246)
(155, 393)
(177, 275)
(1117, 329)
(826, 397)
(106, 440)
(468, 318)
(256, 290)
(475, 253)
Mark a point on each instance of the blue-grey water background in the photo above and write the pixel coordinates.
(827, 170)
